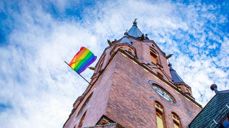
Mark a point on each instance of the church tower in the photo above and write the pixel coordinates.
(134, 86)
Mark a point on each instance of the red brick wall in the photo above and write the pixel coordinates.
(123, 94)
(131, 101)
(97, 103)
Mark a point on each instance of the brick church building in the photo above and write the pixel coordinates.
(134, 86)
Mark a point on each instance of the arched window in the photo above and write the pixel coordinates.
(176, 120)
(154, 57)
(160, 120)
(81, 120)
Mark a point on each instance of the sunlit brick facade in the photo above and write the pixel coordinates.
(134, 86)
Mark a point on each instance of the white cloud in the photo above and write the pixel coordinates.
(40, 86)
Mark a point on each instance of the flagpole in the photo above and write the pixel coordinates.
(78, 73)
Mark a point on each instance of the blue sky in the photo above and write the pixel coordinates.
(38, 89)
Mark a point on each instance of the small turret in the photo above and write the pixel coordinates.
(181, 85)
(175, 77)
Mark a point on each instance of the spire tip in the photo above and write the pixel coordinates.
(135, 21)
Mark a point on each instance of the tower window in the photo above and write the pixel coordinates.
(81, 120)
(104, 121)
(154, 55)
(160, 120)
(179, 88)
(176, 121)
(154, 58)
(188, 90)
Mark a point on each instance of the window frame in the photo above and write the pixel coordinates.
(153, 56)
(159, 109)
(176, 120)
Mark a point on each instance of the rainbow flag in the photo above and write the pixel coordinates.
(82, 60)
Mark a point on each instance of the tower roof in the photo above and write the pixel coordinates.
(175, 77)
(134, 31)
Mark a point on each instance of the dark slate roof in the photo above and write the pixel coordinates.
(134, 31)
(175, 77)
(213, 113)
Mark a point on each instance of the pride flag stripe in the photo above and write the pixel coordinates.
(86, 65)
(78, 55)
(83, 55)
(82, 60)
